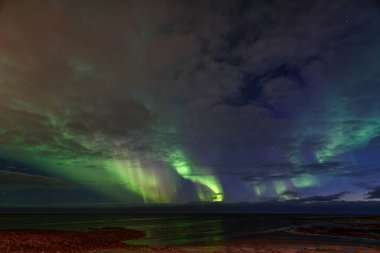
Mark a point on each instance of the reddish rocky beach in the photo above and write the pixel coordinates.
(112, 240)
(37, 241)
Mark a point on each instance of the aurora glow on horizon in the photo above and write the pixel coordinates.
(172, 102)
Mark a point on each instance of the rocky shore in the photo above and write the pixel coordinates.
(54, 241)
(111, 240)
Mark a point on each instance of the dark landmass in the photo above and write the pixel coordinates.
(265, 207)
(33, 240)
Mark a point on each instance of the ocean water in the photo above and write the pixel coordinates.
(173, 230)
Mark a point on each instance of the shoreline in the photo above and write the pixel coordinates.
(115, 240)
(255, 246)
(369, 234)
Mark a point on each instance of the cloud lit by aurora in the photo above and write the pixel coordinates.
(175, 102)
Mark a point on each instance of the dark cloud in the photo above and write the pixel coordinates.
(279, 171)
(290, 195)
(260, 90)
(374, 193)
(327, 198)
(18, 179)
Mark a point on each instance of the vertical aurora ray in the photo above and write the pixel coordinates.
(112, 176)
(259, 189)
(280, 187)
(145, 182)
(117, 177)
(87, 164)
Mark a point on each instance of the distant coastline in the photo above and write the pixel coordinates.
(265, 207)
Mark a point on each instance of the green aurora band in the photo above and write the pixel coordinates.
(208, 187)
(341, 140)
(90, 166)
(341, 135)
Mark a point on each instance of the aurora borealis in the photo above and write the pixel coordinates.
(144, 102)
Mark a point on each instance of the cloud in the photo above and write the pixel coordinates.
(326, 198)
(283, 171)
(374, 193)
(270, 90)
(290, 195)
(18, 179)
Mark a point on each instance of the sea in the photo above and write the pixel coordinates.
(177, 230)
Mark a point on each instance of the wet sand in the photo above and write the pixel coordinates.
(256, 246)
(360, 232)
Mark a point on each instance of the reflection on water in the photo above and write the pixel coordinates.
(161, 230)
(181, 231)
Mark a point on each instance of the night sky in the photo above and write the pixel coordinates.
(143, 102)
